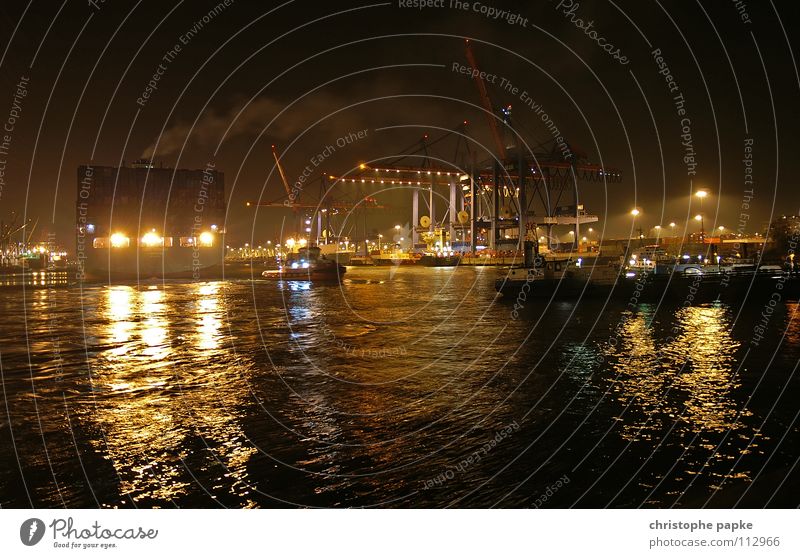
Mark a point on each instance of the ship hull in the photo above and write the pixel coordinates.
(440, 261)
(686, 289)
(393, 261)
(330, 273)
(201, 263)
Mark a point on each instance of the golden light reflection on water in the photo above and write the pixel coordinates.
(793, 324)
(168, 405)
(119, 313)
(685, 377)
(208, 330)
(154, 332)
(711, 375)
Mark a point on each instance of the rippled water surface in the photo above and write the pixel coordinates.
(399, 387)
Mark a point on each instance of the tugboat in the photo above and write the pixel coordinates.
(306, 265)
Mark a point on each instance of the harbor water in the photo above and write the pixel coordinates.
(399, 387)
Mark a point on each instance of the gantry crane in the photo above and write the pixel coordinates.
(325, 206)
(548, 172)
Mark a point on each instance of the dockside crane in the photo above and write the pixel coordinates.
(326, 206)
(486, 102)
(550, 173)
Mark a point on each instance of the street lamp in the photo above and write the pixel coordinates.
(699, 218)
(635, 212)
(658, 232)
(701, 194)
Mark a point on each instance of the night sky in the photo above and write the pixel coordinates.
(302, 74)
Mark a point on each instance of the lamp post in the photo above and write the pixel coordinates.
(701, 194)
(699, 218)
(635, 212)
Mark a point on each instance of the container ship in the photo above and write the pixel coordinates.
(143, 222)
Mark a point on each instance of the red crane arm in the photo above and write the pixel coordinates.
(487, 104)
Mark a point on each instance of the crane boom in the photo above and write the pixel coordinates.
(487, 103)
(283, 177)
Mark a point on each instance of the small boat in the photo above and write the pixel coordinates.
(306, 265)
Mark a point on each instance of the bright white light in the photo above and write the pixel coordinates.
(151, 239)
(206, 239)
(119, 240)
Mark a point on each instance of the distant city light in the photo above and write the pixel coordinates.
(119, 240)
(151, 239)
